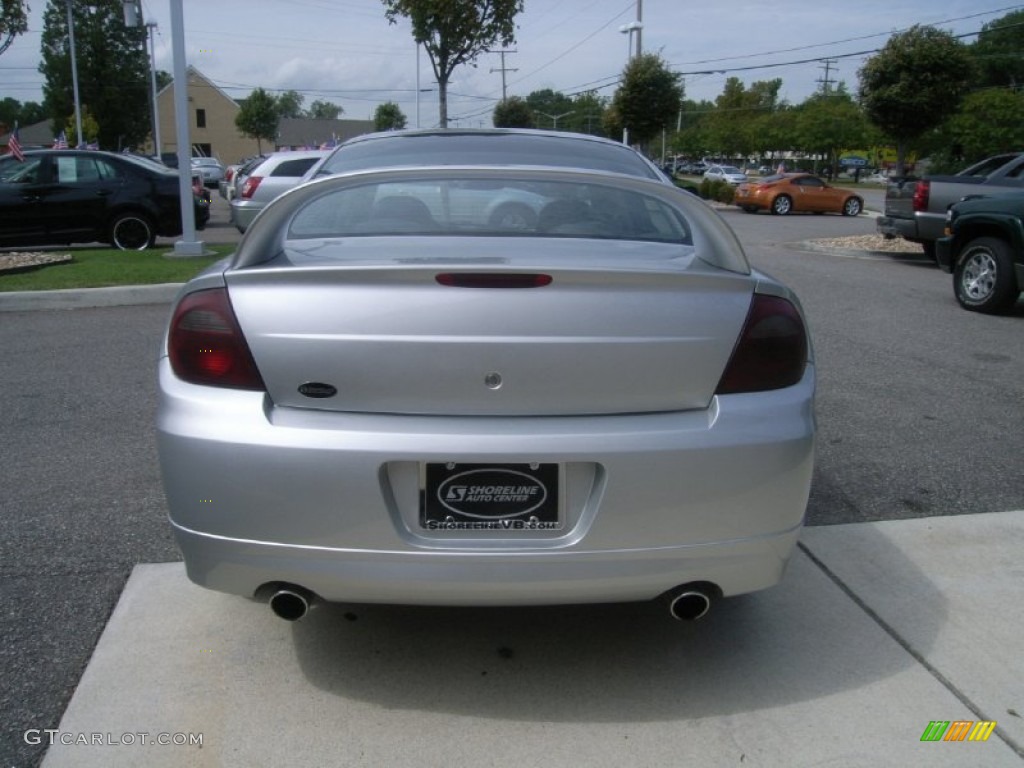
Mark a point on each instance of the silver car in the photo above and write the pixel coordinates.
(377, 399)
(210, 169)
(262, 183)
(729, 173)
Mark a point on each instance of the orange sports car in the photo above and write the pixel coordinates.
(786, 193)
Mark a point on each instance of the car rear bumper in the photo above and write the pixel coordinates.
(330, 501)
(243, 212)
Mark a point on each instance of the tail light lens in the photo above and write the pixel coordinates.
(229, 174)
(250, 185)
(921, 193)
(771, 352)
(206, 345)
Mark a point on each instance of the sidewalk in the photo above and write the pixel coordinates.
(877, 630)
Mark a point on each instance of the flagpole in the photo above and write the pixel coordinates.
(74, 75)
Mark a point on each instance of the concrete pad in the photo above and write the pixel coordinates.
(973, 636)
(799, 675)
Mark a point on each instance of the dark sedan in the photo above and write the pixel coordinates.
(78, 196)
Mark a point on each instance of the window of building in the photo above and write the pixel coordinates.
(200, 118)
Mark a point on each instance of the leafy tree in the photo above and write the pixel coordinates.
(914, 83)
(258, 117)
(546, 105)
(388, 117)
(455, 32)
(828, 122)
(997, 51)
(323, 110)
(289, 104)
(990, 122)
(648, 99)
(587, 110)
(90, 129)
(733, 126)
(513, 112)
(113, 70)
(13, 21)
(13, 111)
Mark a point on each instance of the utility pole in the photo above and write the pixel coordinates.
(503, 70)
(640, 26)
(826, 81)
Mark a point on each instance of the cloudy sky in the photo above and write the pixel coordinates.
(344, 51)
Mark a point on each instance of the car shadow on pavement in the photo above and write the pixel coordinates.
(800, 641)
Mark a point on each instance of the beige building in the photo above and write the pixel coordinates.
(212, 130)
(211, 122)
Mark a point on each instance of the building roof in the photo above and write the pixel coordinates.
(309, 132)
(30, 136)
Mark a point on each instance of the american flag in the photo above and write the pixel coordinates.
(14, 146)
(61, 142)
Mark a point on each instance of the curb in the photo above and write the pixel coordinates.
(80, 298)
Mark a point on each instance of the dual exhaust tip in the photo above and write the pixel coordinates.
(688, 602)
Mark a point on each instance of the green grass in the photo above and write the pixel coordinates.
(106, 267)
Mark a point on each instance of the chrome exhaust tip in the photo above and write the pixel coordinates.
(291, 603)
(690, 602)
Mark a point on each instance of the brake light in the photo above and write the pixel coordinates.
(492, 280)
(250, 186)
(921, 192)
(771, 352)
(229, 174)
(206, 346)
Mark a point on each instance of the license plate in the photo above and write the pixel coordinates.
(490, 497)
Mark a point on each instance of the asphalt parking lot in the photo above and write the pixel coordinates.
(896, 611)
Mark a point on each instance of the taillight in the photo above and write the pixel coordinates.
(206, 345)
(250, 186)
(921, 192)
(229, 174)
(771, 352)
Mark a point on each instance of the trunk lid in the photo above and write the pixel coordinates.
(621, 328)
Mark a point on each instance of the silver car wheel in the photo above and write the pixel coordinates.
(852, 207)
(978, 278)
(131, 232)
(782, 205)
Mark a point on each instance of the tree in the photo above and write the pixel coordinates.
(513, 112)
(587, 110)
(258, 117)
(989, 122)
(914, 83)
(548, 107)
(289, 104)
(828, 122)
(13, 111)
(90, 129)
(455, 32)
(323, 110)
(648, 99)
(388, 117)
(13, 21)
(997, 51)
(113, 70)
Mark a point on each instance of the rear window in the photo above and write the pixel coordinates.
(478, 207)
(485, 149)
(294, 167)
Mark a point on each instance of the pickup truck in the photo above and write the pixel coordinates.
(984, 249)
(915, 209)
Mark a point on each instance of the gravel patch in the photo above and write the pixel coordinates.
(18, 261)
(870, 243)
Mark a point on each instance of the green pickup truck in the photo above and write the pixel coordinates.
(983, 247)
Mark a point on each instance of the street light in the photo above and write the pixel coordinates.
(555, 118)
(629, 29)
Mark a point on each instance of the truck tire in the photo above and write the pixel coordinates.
(983, 280)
